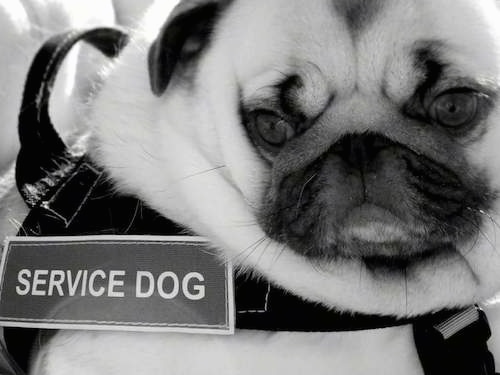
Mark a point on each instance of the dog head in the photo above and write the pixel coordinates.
(346, 150)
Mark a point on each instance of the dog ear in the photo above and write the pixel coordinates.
(181, 39)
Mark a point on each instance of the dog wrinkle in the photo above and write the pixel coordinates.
(429, 63)
(358, 14)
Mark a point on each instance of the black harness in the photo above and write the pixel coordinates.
(69, 194)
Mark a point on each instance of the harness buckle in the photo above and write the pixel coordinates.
(455, 344)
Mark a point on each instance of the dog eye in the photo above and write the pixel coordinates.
(272, 128)
(454, 109)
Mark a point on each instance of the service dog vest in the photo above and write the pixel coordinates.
(68, 194)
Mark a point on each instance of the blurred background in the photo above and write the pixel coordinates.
(24, 26)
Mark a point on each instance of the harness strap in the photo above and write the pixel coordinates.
(68, 195)
(44, 160)
(46, 168)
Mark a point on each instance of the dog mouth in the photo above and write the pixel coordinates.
(393, 257)
(384, 243)
(374, 224)
(404, 264)
(381, 239)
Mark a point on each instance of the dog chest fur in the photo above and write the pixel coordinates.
(246, 353)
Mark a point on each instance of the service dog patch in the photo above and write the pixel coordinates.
(116, 282)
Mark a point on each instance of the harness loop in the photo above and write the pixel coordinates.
(44, 160)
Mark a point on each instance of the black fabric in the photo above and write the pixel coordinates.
(277, 310)
(69, 195)
(465, 353)
(41, 146)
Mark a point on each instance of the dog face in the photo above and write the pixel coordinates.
(345, 150)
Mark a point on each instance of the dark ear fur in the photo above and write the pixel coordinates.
(181, 38)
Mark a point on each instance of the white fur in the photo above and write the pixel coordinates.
(181, 127)
(247, 353)
(166, 148)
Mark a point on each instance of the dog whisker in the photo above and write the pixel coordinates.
(214, 169)
(472, 247)
(103, 196)
(486, 214)
(138, 207)
(202, 172)
(245, 225)
(248, 251)
(406, 289)
(269, 241)
(159, 191)
(278, 254)
(316, 264)
(302, 193)
(480, 231)
(492, 220)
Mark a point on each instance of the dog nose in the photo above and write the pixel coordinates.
(359, 149)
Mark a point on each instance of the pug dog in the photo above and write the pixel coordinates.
(344, 150)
